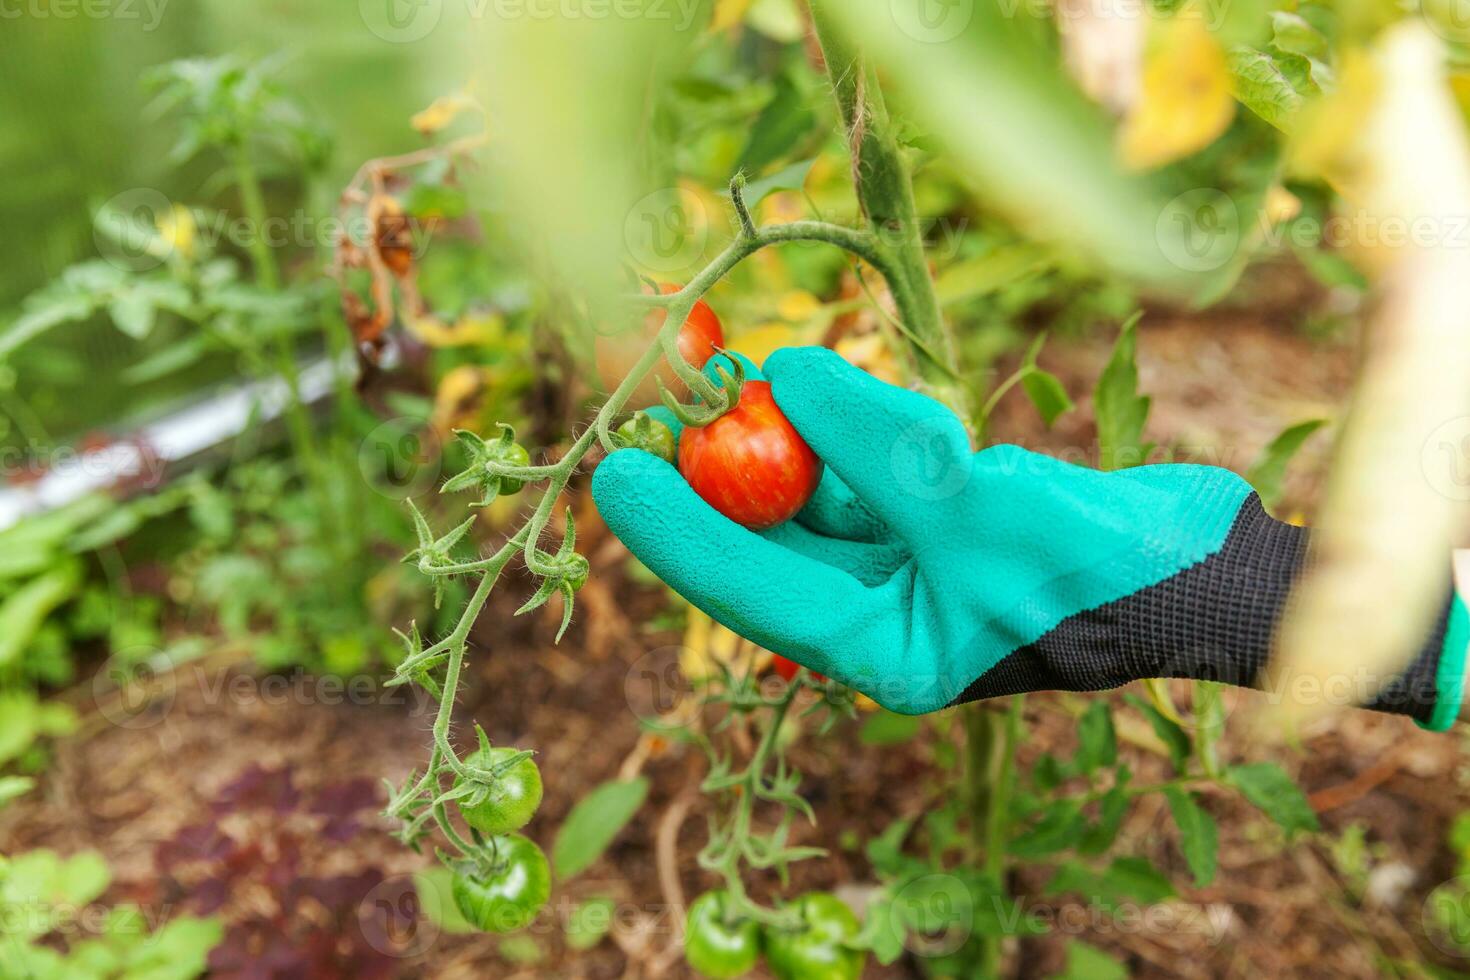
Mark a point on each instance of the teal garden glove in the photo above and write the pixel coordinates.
(925, 574)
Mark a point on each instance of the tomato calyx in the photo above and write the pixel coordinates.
(498, 790)
(497, 467)
(699, 416)
(563, 571)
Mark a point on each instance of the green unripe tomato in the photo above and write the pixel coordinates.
(512, 455)
(649, 435)
(507, 897)
(514, 797)
(717, 948)
(816, 951)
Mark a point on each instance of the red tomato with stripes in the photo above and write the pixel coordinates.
(751, 464)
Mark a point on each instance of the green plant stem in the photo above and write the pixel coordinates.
(253, 201)
(885, 192)
(750, 789)
(298, 420)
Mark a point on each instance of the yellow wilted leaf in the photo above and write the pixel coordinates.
(441, 112)
(456, 396)
(470, 328)
(728, 13)
(1185, 102)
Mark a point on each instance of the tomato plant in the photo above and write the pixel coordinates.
(716, 945)
(509, 889)
(818, 949)
(751, 464)
(507, 802)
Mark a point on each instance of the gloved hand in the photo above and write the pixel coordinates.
(924, 574)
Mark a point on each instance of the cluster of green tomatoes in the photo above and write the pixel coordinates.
(508, 880)
(819, 948)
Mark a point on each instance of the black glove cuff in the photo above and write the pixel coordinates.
(1213, 621)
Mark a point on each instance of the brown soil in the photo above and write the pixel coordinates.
(1273, 910)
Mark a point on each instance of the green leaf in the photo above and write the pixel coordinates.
(882, 932)
(594, 822)
(178, 951)
(14, 787)
(1058, 828)
(1199, 837)
(1292, 33)
(780, 126)
(996, 269)
(132, 313)
(435, 889)
(790, 178)
(521, 950)
(1113, 808)
(1047, 393)
(889, 728)
(1271, 85)
(1125, 878)
(25, 609)
(1274, 793)
(589, 922)
(1086, 962)
(1173, 737)
(1269, 471)
(1121, 410)
(1137, 878)
(1097, 742)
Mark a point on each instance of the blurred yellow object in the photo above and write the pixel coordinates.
(761, 342)
(443, 111)
(1185, 103)
(708, 644)
(1281, 205)
(177, 230)
(470, 328)
(456, 400)
(797, 305)
(728, 13)
(871, 352)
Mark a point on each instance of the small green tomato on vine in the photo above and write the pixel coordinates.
(506, 797)
(503, 888)
(649, 435)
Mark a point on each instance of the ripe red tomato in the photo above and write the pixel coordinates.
(786, 669)
(751, 464)
(701, 332)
